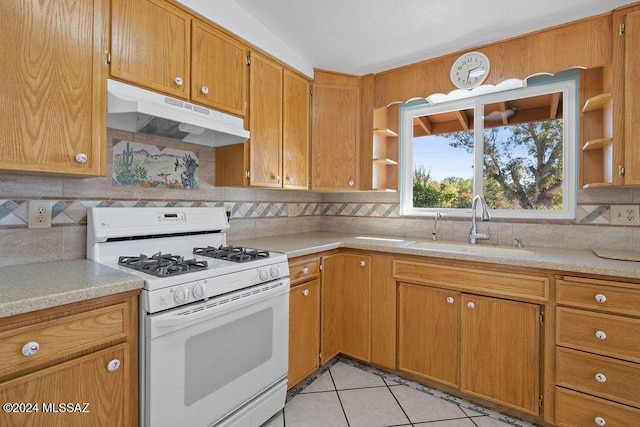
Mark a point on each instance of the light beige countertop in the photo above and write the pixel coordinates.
(31, 287)
(576, 261)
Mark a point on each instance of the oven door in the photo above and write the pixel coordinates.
(203, 362)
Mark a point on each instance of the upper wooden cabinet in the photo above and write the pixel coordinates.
(335, 132)
(277, 154)
(150, 45)
(52, 81)
(265, 121)
(218, 70)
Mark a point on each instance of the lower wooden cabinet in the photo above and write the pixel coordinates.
(484, 346)
(581, 410)
(82, 370)
(304, 330)
(346, 306)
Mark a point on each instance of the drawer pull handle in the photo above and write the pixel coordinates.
(178, 80)
(113, 365)
(305, 292)
(450, 300)
(362, 263)
(600, 421)
(30, 348)
(601, 335)
(601, 298)
(471, 305)
(305, 271)
(601, 378)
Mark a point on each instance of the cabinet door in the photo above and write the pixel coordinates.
(500, 351)
(295, 132)
(81, 381)
(150, 45)
(265, 121)
(304, 330)
(631, 97)
(346, 306)
(218, 70)
(335, 138)
(52, 86)
(428, 332)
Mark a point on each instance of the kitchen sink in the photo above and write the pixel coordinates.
(467, 248)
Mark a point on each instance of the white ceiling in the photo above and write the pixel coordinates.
(368, 36)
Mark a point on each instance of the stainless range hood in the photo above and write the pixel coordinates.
(138, 110)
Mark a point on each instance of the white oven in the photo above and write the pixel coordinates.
(214, 318)
(201, 363)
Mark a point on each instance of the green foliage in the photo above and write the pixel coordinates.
(452, 192)
(127, 169)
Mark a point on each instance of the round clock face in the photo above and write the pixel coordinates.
(470, 70)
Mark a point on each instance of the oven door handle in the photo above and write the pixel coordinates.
(167, 320)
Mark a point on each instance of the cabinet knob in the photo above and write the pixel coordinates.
(178, 80)
(204, 90)
(276, 177)
(471, 305)
(450, 300)
(601, 378)
(362, 263)
(290, 179)
(113, 365)
(601, 298)
(81, 158)
(30, 348)
(305, 292)
(601, 335)
(305, 271)
(600, 421)
(351, 182)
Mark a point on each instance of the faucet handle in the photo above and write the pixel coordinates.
(518, 243)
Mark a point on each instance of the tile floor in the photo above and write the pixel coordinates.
(347, 393)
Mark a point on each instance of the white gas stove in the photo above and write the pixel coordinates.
(213, 318)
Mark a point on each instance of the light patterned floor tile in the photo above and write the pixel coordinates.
(347, 376)
(372, 407)
(421, 407)
(314, 410)
(323, 383)
(463, 422)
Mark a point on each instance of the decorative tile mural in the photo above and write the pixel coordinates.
(153, 166)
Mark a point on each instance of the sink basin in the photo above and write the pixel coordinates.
(466, 248)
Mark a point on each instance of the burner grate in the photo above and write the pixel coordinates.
(232, 253)
(162, 265)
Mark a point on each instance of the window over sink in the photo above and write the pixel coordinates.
(524, 139)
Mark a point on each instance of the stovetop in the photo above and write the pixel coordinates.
(232, 253)
(162, 265)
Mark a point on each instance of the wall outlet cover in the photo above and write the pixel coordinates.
(39, 214)
(292, 209)
(625, 215)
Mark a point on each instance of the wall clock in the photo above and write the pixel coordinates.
(470, 70)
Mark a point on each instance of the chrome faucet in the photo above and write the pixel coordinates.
(473, 234)
(434, 237)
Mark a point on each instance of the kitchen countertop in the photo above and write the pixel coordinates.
(31, 287)
(569, 260)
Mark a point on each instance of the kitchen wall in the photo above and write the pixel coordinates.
(261, 213)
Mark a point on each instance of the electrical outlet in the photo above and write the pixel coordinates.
(292, 209)
(624, 215)
(40, 213)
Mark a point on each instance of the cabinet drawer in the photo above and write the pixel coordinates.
(598, 295)
(472, 280)
(64, 336)
(604, 334)
(601, 376)
(301, 271)
(580, 410)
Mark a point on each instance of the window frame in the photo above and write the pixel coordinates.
(569, 153)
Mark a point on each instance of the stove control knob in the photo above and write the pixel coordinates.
(264, 275)
(181, 295)
(275, 272)
(199, 290)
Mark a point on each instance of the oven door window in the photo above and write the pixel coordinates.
(218, 356)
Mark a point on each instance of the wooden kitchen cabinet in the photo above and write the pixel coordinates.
(304, 318)
(265, 121)
(87, 357)
(597, 371)
(295, 131)
(335, 132)
(346, 306)
(52, 81)
(218, 70)
(151, 45)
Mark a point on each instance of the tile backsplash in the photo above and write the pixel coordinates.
(262, 212)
